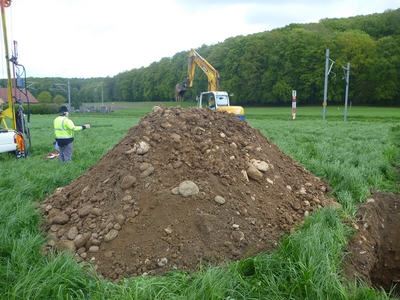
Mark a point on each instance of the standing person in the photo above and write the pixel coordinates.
(64, 131)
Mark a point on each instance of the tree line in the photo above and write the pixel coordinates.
(262, 69)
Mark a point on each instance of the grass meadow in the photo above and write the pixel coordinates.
(360, 153)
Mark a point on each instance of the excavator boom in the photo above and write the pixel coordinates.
(204, 65)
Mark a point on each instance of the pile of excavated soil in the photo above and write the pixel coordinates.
(183, 187)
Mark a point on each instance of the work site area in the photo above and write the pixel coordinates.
(190, 187)
(173, 190)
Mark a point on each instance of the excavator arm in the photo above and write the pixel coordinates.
(212, 74)
(204, 65)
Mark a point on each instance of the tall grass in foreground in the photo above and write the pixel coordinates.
(354, 156)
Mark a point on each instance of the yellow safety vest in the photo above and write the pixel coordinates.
(64, 128)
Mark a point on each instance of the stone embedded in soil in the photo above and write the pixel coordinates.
(219, 200)
(188, 188)
(254, 173)
(183, 187)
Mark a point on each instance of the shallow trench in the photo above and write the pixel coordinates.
(386, 272)
(375, 249)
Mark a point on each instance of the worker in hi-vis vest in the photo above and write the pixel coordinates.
(64, 130)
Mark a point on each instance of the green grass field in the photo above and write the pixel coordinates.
(356, 155)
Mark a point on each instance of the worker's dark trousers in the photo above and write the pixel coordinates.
(65, 153)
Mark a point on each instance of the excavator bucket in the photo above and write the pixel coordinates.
(180, 90)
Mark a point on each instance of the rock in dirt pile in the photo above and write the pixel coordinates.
(183, 187)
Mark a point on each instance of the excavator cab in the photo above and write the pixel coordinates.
(205, 100)
(222, 100)
(213, 100)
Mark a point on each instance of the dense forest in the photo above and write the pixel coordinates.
(262, 69)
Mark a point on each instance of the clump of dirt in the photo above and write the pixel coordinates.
(183, 187)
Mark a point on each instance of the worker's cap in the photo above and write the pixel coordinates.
(63, 110)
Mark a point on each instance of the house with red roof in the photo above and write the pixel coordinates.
(20, 96)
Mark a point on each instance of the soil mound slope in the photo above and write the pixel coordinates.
(183, 186)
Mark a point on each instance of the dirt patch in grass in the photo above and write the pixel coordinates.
(191, 186)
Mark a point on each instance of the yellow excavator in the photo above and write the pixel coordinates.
(15, 136)
(213, 98)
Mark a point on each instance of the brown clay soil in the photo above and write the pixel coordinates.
(190, 186)
(374, 251)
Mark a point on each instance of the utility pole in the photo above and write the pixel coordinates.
(347, 71)
(327, 71)
(102, 94)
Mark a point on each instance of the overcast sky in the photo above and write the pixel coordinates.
(99, 38)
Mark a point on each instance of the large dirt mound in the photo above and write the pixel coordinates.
(183, 187)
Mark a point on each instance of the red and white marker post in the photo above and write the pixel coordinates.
(294, 105)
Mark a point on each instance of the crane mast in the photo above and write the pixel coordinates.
(11, 111)
(18, 138)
